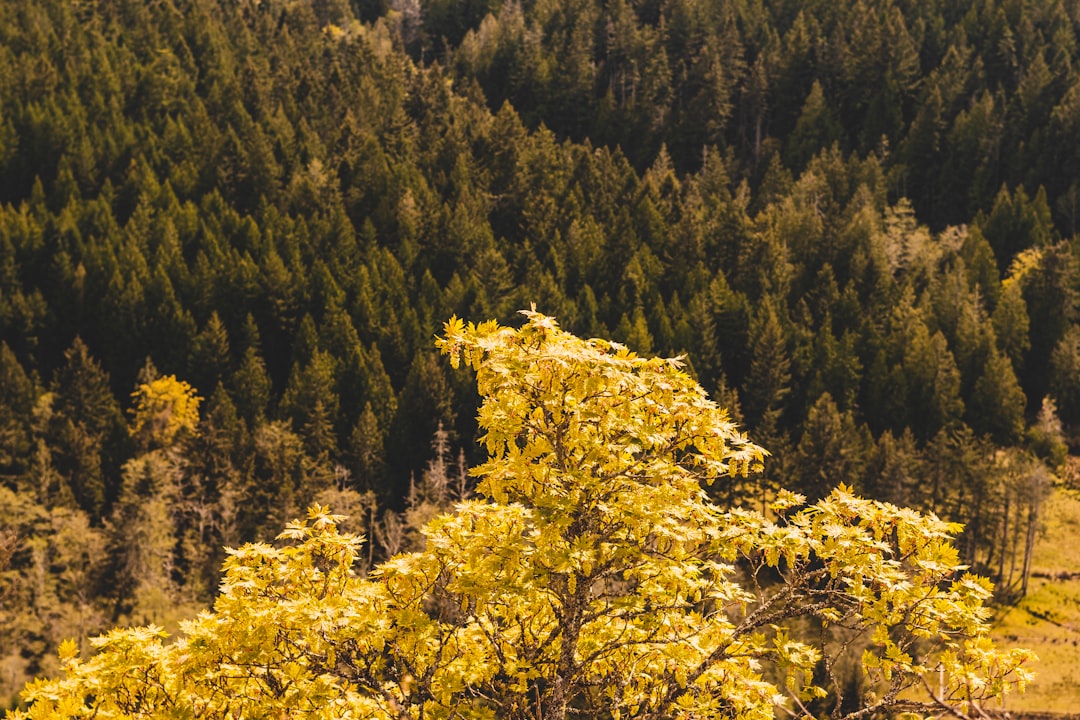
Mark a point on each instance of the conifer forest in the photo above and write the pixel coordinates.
(230, 231)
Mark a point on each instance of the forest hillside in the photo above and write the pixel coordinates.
(229, 230)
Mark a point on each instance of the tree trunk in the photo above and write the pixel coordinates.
(571, 621)
(1004, 538)
(1033, 524)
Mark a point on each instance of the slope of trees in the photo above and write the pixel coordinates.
(278, 202)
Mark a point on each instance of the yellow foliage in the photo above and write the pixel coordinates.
(593, 577)
(165, 410)
(1026, 262)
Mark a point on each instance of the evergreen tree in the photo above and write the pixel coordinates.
(1011, 324)
(1065, 376)
(426, 402)
(933, 381)
(251, 386)
(366, 449)
(997, 404)
(210, 357)
(768, 381)
(312, 404)
(895, 469)
(1016, 223)
(86, 431)
(833, 449)
(18, 397)
(816, 128)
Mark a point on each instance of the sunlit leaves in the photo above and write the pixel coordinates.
(593, 577)
(164, 408)
(610, 451)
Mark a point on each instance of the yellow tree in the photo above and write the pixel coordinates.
(165, 408)
(147, 516)
(591, 576)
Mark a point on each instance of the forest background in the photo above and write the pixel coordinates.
(858, 220)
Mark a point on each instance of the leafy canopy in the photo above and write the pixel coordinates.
(165, 408)
(592, 577)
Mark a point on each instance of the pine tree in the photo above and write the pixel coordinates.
(86, 432)
(1065, 376)
(768, 382)
(210, 359)
(832, 450)
(18, 398)
(997, 403)
(311, 402)
(425, 402)
(1011, 323)
(816, 128)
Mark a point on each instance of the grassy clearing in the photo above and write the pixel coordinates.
(1048, 619)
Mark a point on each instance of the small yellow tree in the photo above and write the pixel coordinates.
(592, 577)
(165, 410)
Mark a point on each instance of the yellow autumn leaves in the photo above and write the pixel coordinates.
(165, 409)
(592, 576)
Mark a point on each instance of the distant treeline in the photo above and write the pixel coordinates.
(857, 220)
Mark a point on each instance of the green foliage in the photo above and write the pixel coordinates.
(998, 401)
(1065, 375)
(593, 575)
